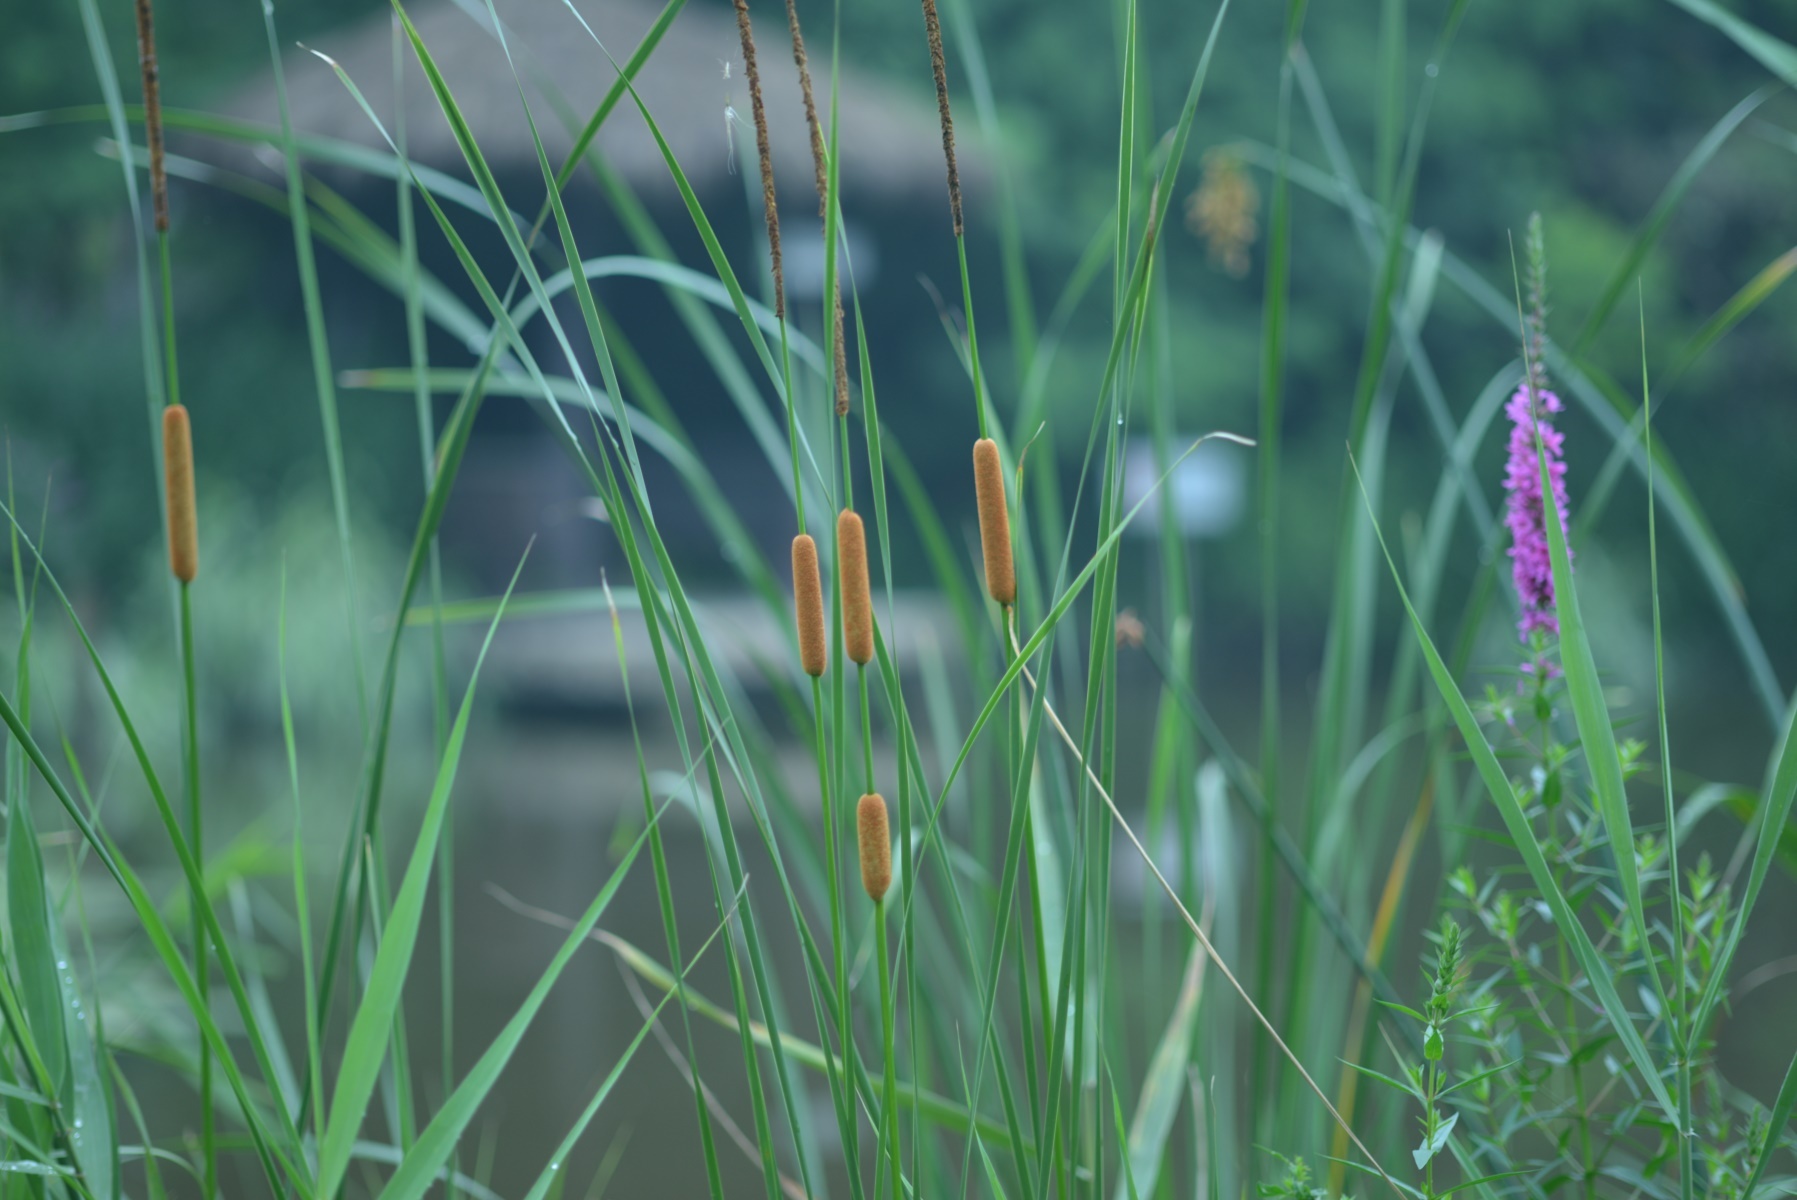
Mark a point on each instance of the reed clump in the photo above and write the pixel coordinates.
(995, 522)
(857, 593)
(808, 606)
(177, 469)
(874, 840)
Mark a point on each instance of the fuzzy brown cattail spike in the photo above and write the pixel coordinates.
(177, 469)
(875, 844)
(817, 130)
(995, 522)
(933, 28)
(146, 57)
(857, 596)
(808, 606)
(761, 148)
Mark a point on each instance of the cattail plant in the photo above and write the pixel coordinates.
(995, 522)
(177, 467)
(857, 595)
(761, 147)
(808, 606)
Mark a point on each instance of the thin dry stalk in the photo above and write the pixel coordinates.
(932, 25)
(146, 58)
(767, 159)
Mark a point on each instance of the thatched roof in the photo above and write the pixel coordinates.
(890, 143)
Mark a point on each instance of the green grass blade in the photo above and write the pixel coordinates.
(424, 1161)
(1597, 738)
(1657, 218)
(1775, 1127)
(372, 1027)
(29, 915)
(1778, 57)
(1164, 1084)
(323, 379)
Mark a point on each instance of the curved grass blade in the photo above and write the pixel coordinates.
(372, 1027)
(424, 1161)
(1661, 213)
(1778, 57)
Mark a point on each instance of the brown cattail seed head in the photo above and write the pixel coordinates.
(146, 57)
(811, 121)
(932, 25)
(842, 359)
(875, 843)
(995, 522)
(761, 147)
(857, 596)
(808, 605)
(177, 469)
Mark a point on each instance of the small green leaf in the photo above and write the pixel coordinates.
(1432, 1145)
(1432, 1044)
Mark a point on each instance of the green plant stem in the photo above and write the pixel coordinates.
(168, 321)
(973, 341)
(208, 1132)
(889, 1096)
(867, 729)
(832, 875)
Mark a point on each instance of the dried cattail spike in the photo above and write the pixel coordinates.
(808, 605)
(875, 843)
(761, 148)
(933, 28)
(842, 359)
(811, 121)
(857, 596)
(177, 469)
(146, 57)
(995, 522)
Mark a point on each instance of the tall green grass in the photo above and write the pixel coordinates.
(1016, 1035)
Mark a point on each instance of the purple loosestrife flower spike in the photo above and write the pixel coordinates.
(1525, 513)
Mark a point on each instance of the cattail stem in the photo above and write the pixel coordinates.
(146, 58)
(889, 1097)
(808, 606)
(177, 469)
(995, 522)
(761, 148)
(932, 25)
(857, 594)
